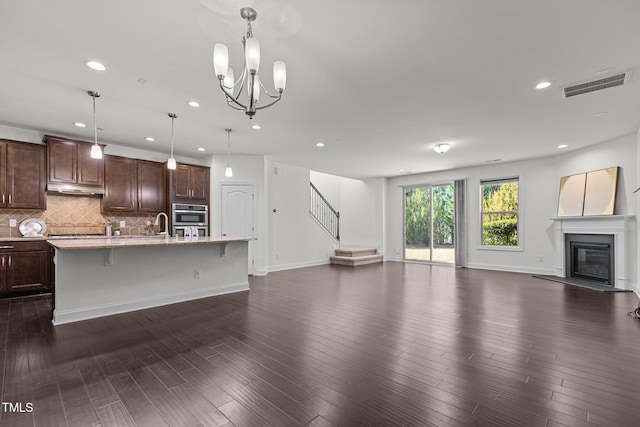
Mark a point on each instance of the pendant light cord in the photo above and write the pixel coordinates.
(95, 124)
(173, 116)
(228, 146)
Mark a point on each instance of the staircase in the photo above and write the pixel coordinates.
(356, 256)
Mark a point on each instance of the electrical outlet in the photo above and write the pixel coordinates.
(122, 224)
(196, 274)
(12, 223)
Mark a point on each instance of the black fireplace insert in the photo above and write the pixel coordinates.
(590, 257)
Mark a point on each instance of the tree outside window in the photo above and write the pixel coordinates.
(500, 212)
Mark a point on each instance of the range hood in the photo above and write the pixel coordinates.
(74, 190)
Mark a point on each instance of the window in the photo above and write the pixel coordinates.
(499, 212)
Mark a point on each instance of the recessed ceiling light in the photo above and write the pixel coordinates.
(256, 127)
(320, 144)
(562, 146)
(79, 124)
(200, 149)
(543, 85)
(193, 104)
(442, 148)
(149, 138)
(400, 170)
(600, 114)
(493, 160)
(95, 65)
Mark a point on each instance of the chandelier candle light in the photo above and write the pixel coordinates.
(249, 77)
(96, 151)
(171, 163)
(228, 172)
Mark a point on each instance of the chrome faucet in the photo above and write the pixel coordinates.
(166, 223)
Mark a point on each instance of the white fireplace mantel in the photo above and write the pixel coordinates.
(620, 226)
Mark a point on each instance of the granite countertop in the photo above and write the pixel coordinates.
(142, 241)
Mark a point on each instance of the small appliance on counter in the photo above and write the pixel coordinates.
(32, 227)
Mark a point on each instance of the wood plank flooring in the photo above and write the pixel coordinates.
(390, 344)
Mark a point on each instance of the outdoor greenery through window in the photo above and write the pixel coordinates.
(500, 212)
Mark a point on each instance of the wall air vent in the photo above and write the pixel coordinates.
(594, 85)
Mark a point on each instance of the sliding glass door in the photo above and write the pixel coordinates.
(428, 224)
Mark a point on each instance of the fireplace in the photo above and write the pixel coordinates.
(590, 257)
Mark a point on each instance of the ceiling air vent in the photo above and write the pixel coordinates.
(594, 85)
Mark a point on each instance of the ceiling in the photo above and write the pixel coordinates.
(378, 82)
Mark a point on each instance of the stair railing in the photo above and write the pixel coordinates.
(324, 213)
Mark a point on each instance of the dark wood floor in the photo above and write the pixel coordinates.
(386, 345)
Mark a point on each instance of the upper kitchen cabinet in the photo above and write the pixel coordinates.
(71, 168)
(189, 183)
(22, 175)
(133, 185)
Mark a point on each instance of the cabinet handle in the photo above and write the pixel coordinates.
(3, 199)
(9, 198)
(6, 247)
(9, 261)
(2, 262)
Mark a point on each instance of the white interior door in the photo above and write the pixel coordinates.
(237, 216)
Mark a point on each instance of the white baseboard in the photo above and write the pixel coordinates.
(294, 265)
(512, 268)
(68, 316)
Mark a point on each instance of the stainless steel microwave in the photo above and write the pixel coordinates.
(189, 215)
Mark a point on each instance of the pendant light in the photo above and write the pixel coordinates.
(228, 172)
(96, 151)
(171, 163)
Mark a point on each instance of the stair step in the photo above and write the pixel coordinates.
(356, 260)
(345, 251)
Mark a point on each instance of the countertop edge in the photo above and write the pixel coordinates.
(105, 243)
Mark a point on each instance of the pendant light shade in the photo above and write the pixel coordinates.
(96, 151)
(228, 172)
(171, 163)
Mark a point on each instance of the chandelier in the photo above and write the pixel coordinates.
(249, 78)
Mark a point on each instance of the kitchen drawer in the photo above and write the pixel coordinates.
(22, 246)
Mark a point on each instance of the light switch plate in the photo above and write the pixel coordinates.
(122, 224)
(12, 223)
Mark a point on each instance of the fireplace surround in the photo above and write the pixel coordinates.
(590, 257)
(620, 227)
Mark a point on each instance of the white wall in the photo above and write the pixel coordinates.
(539, 186)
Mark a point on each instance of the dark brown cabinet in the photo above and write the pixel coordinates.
(24, 266)
(71, 167)
(133, 185)
(189, 183)
(22, 175)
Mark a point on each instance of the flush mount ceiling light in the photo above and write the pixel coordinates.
(171, 163)
(543, 85)
(95, 65)
(442, 148)
(249, 77)
(96, 151)
(228, 172)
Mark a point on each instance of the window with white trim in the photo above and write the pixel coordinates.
(499, 213)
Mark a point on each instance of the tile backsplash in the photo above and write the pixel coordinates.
(74, 215)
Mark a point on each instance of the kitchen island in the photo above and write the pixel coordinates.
(103, 276)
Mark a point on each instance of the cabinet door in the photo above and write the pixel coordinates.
(182, 182)
(27, 271)
(3, 271)
(151, 186)
(3, 174)
(62, 161)
(90, 171)
(199, 183)
(26, 177)
(120, 184)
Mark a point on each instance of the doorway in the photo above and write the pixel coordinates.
(237, 215)
(429, 215)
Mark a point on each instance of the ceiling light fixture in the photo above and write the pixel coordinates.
(96, 151)
(562, 146)
(249, 76)
(228, 172)
(149, 138)
(79, 124)
(193, 104)
(256, 127)
(442, 148)
(543, 85)
(95, 65)
(171, 163)
(201, 149)
(319, 144)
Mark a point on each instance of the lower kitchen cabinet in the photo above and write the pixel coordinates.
(24, 266)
